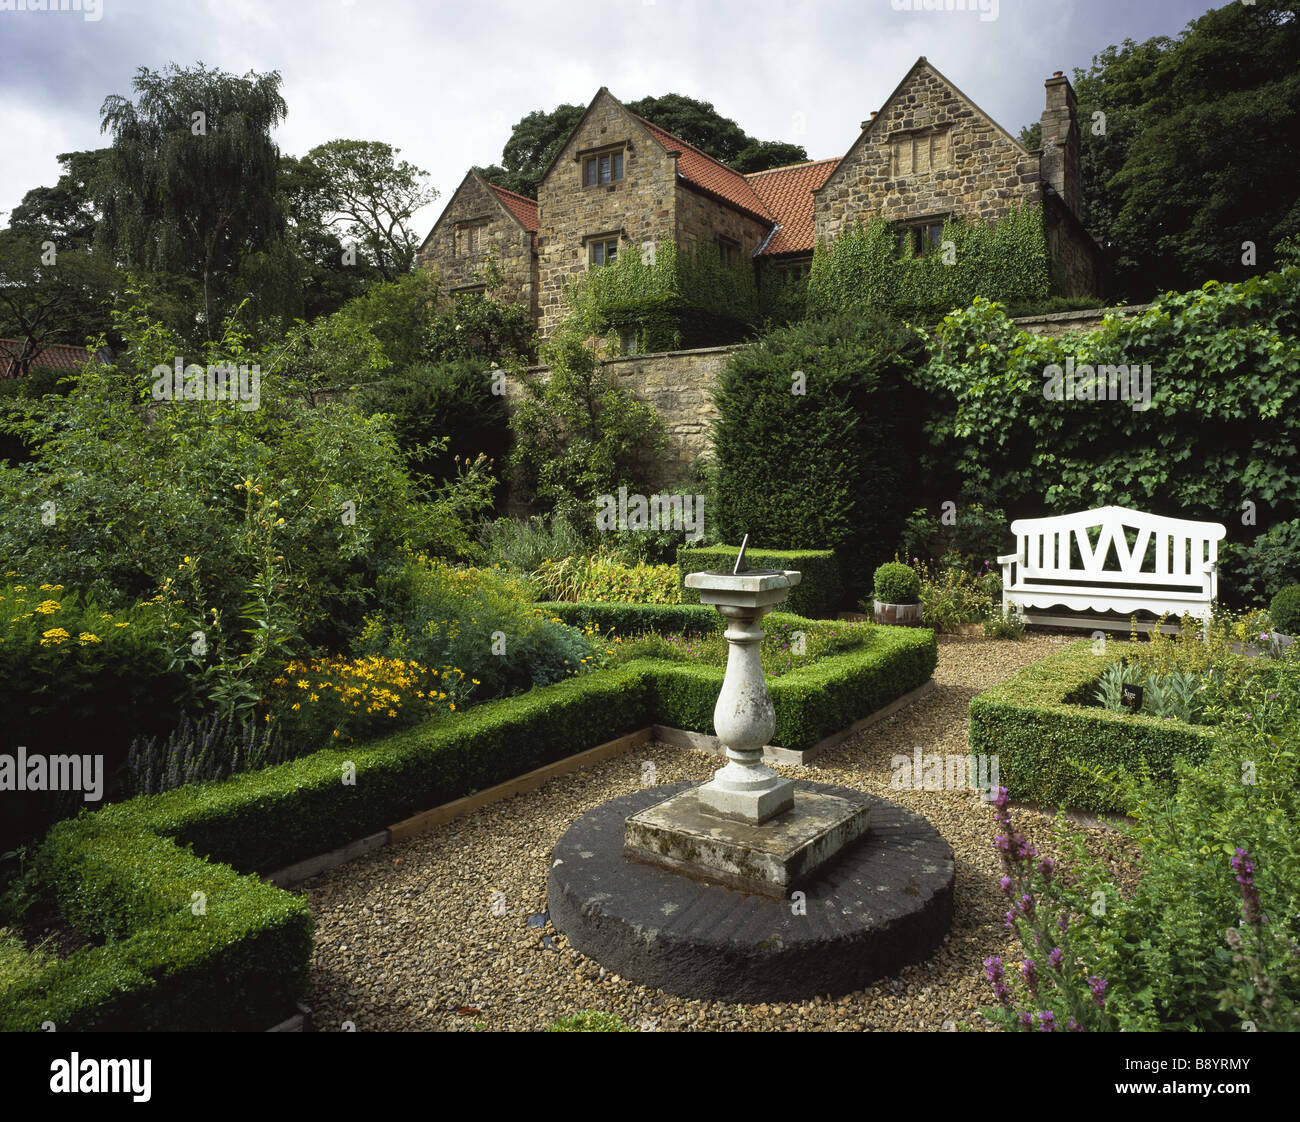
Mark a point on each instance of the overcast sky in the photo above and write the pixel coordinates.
(444, 82)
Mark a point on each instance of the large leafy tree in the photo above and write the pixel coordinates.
(64, 213)
(48, 295)
(372, 195)
(534, 142)
(1199, 148)
(538, 137)
(189, 185)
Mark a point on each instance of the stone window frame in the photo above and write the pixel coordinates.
(590, 241)
(469, 290)
(931, 133)
(592, 156)
(913, 230)
(728, 250)
(468, 238)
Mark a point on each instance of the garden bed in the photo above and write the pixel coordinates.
(129, 873)
(1047, 732)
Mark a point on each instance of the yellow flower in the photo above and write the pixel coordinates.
(314, 697)
(47, 607)
(452, 707)
(54, 637)
(86, 637)
(294, 706)
(121, 625)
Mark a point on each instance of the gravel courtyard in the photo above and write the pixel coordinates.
(443, 932)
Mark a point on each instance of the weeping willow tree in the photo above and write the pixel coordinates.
(189, 185)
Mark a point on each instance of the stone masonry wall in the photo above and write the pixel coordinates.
(1072, 250)
(639, 208)
(950, 160)
(679, 384)
(701, 221)
(510, 244)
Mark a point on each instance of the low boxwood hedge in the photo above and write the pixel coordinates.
(127, 874)
(818, 593)
(1035, 724)
(187, 943)
(634, 619)
(811, 701)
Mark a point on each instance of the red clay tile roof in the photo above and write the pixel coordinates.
(704, 171)
(522, 207)
(787, 193)
(54, 356)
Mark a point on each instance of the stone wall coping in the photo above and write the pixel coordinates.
(1083, 313)
(728, 349)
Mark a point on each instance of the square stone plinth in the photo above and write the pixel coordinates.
(772, 859)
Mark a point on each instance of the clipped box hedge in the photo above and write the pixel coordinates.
(818, 594)
(126, 874)
(1036, 724)
(634, 619)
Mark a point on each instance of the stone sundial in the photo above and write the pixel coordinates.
(751, 887)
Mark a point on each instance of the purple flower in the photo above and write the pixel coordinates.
(1030, 970)
(1011, 919)
(1046, 1021)
(1000, 799)
(1006, 886)
(1098, 986)
(1002, 842)
(1073, 1026)
(1027, 904)
(1245, 868)
(1063, 922)
(1026, 1021)
(1046, 867)
(1056, 959)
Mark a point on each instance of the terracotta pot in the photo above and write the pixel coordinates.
(898, 615)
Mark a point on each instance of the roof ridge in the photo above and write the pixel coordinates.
(790, 167)
(506, 190)
(692, 147)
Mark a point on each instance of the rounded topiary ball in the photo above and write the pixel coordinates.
(896, 583)
(1284, 611)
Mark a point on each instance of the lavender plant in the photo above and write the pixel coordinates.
(213, 748)
(1051, 988)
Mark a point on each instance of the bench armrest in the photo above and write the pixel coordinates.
(1008, 558)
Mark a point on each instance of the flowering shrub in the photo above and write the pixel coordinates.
(478, 620)
(73, 672)
(324, 702)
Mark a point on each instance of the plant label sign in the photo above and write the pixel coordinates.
(1132, 697)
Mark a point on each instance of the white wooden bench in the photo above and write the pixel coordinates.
(1134, 562)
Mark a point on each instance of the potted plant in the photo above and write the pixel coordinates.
(898, 595)
(1284, 612)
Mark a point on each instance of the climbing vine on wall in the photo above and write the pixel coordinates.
(1005, 261)
(668, 297)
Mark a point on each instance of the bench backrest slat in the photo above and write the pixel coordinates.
(1180, 553)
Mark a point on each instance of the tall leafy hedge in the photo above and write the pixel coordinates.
(817, 439)
(1222, 428)
(1005, 260)
(670, 298)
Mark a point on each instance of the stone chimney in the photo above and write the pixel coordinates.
(1062, 142)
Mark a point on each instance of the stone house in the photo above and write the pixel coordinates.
(621, 184)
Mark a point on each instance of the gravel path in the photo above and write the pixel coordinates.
(444, 931)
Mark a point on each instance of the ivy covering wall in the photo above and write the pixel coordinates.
(1007, 261)
(1221, 430)
(671, 299)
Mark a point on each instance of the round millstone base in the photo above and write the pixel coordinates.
(878, 905)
